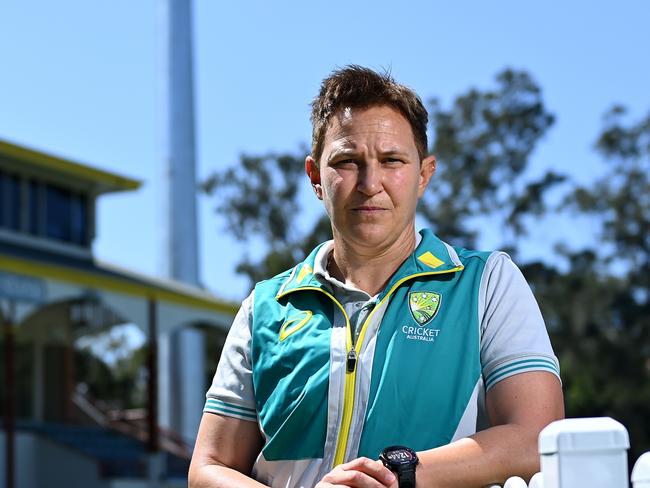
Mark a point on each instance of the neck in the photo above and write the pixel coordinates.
(369, 269)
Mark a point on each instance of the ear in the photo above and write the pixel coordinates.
(313, 171)
(427, 169)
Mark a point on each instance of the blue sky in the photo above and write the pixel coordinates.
(81, 79)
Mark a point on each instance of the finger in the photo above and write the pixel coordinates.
(357, 479)
(328, 484)
(350, 478)
(372, 468)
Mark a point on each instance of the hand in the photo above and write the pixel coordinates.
(359, 473)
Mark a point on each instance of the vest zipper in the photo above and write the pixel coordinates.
(352, 360)
(351, 371)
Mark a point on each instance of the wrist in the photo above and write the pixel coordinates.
(402, 461)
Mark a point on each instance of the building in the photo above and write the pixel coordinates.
(89, 362)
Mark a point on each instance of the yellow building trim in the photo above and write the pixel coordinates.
(115, 284)
(108, 181)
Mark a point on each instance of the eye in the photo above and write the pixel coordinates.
(346, 163)
(392, 160)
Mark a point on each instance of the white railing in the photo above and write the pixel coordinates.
(589, 453)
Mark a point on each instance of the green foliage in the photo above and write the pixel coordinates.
(259, 196)
(483, 144)
(598, 312)
(622, 196)
(120, 385)
(601, 338)
(259, 199)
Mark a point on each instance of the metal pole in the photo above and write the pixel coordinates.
(152, 384)
(179, 190)
(10, 394)
(153, 442)
(68, 378)
(180, 237)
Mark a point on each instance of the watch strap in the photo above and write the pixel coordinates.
(406, 476)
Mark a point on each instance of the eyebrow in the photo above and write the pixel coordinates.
(394, 151)
(351, 151)
(342, 152)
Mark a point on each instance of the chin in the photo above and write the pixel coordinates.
(367, 235)
(371, 239)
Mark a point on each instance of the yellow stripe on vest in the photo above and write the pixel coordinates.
(430, 260)
(300, 320)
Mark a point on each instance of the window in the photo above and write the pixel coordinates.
(43, 210)
(58, 205)
(66, 215)
(9, 201)
(35, 207)
(79, 219)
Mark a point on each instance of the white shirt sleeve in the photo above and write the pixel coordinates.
(513, 334)
(231, 392)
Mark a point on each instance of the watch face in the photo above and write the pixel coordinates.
(400, 456)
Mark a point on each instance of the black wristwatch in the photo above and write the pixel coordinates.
(402, 461)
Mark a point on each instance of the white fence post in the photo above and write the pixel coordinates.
(515, 482)
(588, 453)
(641, 472)
(537, 481)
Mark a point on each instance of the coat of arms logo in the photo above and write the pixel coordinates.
(424, 305)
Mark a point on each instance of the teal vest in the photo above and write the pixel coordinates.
(425, 363)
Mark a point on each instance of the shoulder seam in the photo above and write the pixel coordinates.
(484, 256)
(288, 278)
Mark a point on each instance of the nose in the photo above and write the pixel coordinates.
(369, 179)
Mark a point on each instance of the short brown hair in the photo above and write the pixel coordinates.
(358, 87)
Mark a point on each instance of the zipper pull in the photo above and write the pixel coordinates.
(352, 360)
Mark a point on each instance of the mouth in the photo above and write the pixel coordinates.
(368, 209)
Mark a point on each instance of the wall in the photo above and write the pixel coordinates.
(41, 463)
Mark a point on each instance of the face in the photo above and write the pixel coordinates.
(370, 177)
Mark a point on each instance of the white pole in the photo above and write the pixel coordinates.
(587, 452)
(180, 232)
(180, 257)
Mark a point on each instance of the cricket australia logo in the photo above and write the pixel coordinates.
(424, 305)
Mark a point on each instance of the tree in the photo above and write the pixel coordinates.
(604, 337)
(483, 144)
(259, 200)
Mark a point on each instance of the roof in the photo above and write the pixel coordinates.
(49, 165)
(38, 263)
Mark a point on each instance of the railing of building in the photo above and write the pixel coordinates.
(589, 452)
